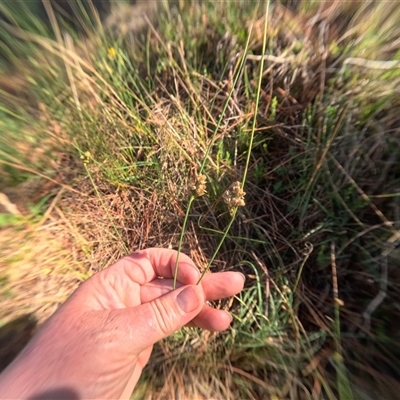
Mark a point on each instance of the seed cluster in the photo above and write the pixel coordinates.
(200, 187)
(85, 157)
(234, 197)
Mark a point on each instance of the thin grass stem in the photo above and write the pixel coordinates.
(219, 245)
(234, 211)
(260, 77)
(344, 388)
(203, 164)
(181, 237)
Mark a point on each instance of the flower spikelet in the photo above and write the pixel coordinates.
(200, 187)
(85, 157)
(234, 197)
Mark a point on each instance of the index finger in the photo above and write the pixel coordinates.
(146, 265)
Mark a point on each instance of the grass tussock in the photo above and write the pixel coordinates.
(121, 127)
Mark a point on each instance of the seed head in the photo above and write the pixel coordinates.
(85, 157)
(200, 187)
(234, 197)
(237, 189)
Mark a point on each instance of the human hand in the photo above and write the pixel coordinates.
(97, 343)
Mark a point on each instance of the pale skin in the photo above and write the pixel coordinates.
(97, 344)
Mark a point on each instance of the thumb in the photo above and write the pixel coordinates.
(153, 321)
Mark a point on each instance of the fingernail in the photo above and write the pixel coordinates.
(243, 277)
(188, 300)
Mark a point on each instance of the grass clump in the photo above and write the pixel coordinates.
(121, 130)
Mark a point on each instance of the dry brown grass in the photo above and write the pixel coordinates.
(38, 268)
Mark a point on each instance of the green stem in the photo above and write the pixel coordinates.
(203, 164)
(222, 116)
(219, 245)
(260, 76)
(251, 140)
(181, 237)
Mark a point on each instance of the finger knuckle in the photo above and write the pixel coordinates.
(163, 316)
